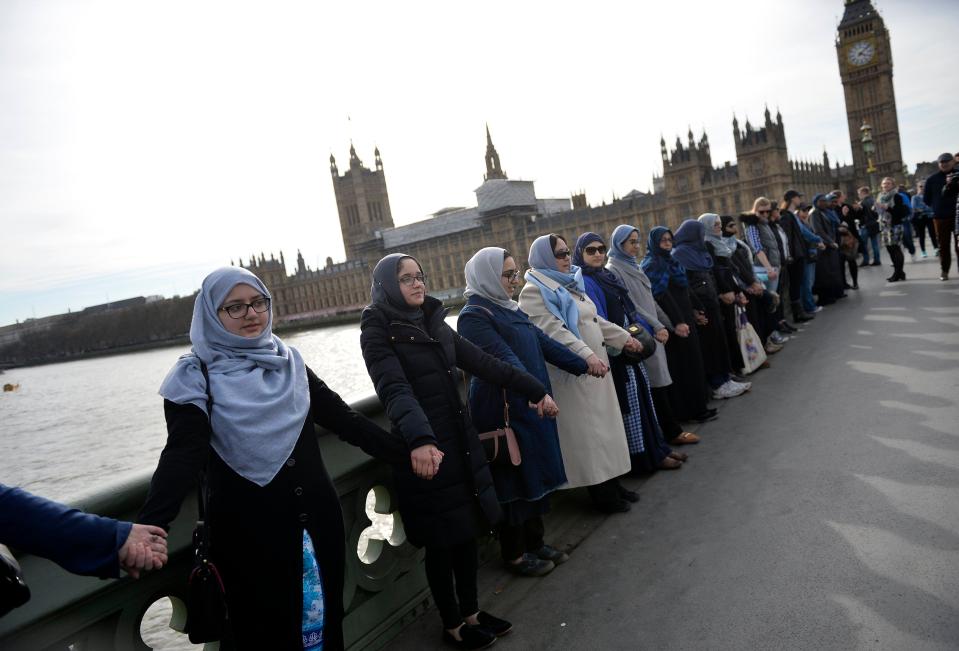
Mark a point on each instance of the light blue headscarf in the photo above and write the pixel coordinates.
(261, 395)
(559, 301)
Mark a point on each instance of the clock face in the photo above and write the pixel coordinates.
(861, 53)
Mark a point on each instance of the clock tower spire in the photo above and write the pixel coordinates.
(865, 67)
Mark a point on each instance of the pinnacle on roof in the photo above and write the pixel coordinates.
(856, 11)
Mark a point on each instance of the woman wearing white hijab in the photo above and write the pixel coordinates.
(493, 321)
(243, 404)
(591, 431)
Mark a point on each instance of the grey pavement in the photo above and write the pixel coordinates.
(821, 509)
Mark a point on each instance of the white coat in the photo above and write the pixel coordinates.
(590, 422)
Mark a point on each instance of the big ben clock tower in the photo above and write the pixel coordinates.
(865, 66)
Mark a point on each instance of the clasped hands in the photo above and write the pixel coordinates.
(145, 549)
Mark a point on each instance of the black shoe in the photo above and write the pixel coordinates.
(875, 264)
(709, 414)
(495, 625)
(550, 553)
(943, 276)
(893, 278)
(787, 327)
(531, 565)
(626, 494)
(855, 286)
(802, 317)
(613, 506)
(846, 286)
(473, 637)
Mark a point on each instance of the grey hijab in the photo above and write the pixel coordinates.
(483, 272)
(720, 247)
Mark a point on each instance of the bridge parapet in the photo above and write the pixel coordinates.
(383, 590)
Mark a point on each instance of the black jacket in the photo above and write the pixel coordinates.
(790, 224)
(257, 532)
(414, 372)
(940, 197)
(723, 271)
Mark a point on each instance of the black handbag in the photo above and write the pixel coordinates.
(640, 334)
(14, 591)
(206, 612)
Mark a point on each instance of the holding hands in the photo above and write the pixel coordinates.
(633, 346)
(682, 330)
(545, 408)
(662, 335)
(596, 367)
(144, 549)
(426, 461)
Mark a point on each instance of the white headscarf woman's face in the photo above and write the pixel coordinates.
(509, 279)
(249, 325)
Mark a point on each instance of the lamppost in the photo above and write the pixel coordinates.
(869, 148)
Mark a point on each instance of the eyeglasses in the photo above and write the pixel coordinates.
(511, 275)
(559, 255)
(240, 310)
(763, 212)
(593, 250)
(409, 280)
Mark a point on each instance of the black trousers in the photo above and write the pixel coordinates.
(442, 566)
(853, 270)
(516, 540)
(898, 257)
(664, 413)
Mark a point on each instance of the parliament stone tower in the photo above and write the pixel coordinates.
(363, 205)
(865, 66)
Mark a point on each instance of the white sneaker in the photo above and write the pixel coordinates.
(746, 386)
(913, 257)
(728, 390)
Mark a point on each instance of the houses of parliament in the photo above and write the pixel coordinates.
(509, 214)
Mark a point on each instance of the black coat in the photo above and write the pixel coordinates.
(257, 532)
(723, 271)
(414, 372)
(790, 224)
(940, 196)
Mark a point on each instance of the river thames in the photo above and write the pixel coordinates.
(74, 427)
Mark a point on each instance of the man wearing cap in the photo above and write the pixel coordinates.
(796, 253)
(940, 194)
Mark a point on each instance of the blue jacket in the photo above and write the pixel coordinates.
(79, 542)
(510, 336)
(809, 236)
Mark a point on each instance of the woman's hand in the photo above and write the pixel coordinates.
(741, 299)
(727, 297)
(144, 549)
(662, 335)
(772, 273)
(595, 366)
(756, 288)
(633, 345)
(820, 245)
(682, 330)
(701, 318)
(426, 461)
(545, 408)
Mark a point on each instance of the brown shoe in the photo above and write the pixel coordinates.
(686, 438)
(678, 456)
(670, 464)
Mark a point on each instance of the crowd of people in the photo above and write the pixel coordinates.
(584, 375)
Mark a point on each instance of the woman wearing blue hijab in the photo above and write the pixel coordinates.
(244, 405)
(591, 431)
(648, 451)
(689, 250)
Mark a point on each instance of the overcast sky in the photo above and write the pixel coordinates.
(144, 144)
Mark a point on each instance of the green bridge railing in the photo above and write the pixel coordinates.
(383, 591)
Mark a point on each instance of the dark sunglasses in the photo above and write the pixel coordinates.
(593, 250)
(559, 255)
(763, 212)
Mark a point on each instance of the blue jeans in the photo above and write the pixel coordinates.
(869, 239)
(907, 236)
(808, 277)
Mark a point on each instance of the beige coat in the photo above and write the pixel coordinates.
(590, 422)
